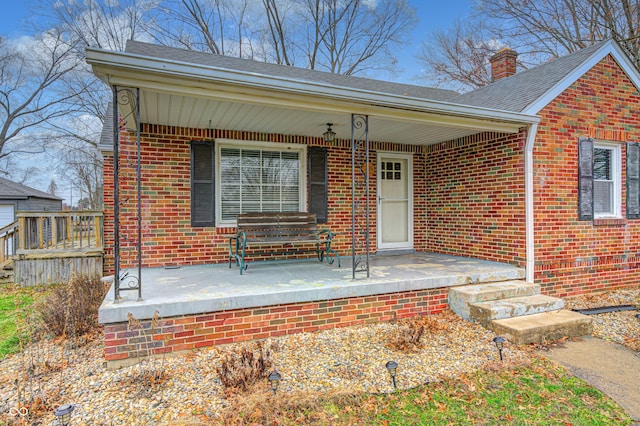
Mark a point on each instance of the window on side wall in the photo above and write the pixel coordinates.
(600, 180)
(606, 180)
(258, 178)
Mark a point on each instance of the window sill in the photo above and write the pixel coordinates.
(609, 222)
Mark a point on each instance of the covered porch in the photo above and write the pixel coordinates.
(197, 139)
(199, 306)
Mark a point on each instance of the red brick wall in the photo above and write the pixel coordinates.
(107, 195)
(196, 331)
(468, 193)
(169, 239)
(475, 197)
(574, 256)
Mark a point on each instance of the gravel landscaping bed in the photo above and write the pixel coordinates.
(186, 387)
(621, 327)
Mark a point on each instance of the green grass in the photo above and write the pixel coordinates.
(13, 304)
(539, 393)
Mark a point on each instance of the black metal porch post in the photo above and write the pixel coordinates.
(139, 183)
(116, 197)
(132, 98)
(360, 225)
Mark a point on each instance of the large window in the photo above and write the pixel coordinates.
(263, 178)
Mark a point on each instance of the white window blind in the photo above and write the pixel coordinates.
(258, 180)
(606, 180)
(602, 181)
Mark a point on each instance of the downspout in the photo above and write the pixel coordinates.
(528, 191)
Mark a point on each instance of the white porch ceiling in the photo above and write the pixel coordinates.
(187, 94)
(187, 111)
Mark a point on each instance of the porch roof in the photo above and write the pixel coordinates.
(197, 90)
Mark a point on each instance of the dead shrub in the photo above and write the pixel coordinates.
(259, 406)
(145, 381)
(242, 366)
(409, 334)
(72, 308)
(149, 367)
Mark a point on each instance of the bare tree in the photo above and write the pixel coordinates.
(52, 188)
(358, 31)
(339, 36)
(222, 27)
(458, 57)
(279, 31)
(72, 138)
(538, 30)
(191, 24)
(32, 92)
(95, 23)
(345, 36)
(82, 168)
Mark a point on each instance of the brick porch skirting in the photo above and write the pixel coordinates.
(126, 343)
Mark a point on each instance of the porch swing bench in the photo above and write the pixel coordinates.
(270, 230)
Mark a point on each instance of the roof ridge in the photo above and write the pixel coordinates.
(538, 80)
(272, 69)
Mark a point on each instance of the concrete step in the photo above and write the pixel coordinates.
(542, 327)
(485, 312)
(461, 297)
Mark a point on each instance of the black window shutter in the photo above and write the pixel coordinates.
(317, 182)
(585, 179)
(202, 184)
(633, 180)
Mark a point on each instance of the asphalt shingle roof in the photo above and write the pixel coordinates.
(13, 190)
(517, 92)
(514, 93)
(284, 71)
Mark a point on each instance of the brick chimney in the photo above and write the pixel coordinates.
(503, 64)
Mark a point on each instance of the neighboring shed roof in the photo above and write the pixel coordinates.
(10, 190)
(527, 91)
(265, 68)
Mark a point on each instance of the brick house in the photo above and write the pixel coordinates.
(539, 170)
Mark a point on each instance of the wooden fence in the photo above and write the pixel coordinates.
(8, 243)
(47, 247)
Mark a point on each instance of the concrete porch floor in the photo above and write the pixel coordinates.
(211, 288)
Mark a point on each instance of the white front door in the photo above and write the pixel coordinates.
(395, 201)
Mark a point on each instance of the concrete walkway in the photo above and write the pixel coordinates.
(609, 367)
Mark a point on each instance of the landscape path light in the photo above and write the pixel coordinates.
(274, 381)
(499, 341)
(392, 366)
(63, 414)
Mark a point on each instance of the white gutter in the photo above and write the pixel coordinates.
(529, 212)
(114, 61)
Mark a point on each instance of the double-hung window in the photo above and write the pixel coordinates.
(606, 180)
(600, 179)
(260, 177)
